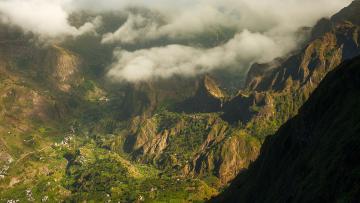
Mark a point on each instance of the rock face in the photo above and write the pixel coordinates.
(274, 93)
(63, 67)
(189, 95)
(212, 88)
(296, 77)
(313, 157)
(223, 154)
(196, 145)
(258, 71)
(145, 138)
(333, 40)
(311, 65)
(208, 98)
(188, 127)
(144, 98)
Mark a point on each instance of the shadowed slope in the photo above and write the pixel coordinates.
(314, 156)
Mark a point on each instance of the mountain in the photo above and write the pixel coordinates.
(287, 82)
(312, 158)
(33, 88)
(67, 134)
(273, 93)
(349, 13)
(61, 124)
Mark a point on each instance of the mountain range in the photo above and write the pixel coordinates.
(282, 131)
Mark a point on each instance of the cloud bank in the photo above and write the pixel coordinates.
(264, 29)
(164, 62)
(46, 18)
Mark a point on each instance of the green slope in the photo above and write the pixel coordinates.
(313, 157)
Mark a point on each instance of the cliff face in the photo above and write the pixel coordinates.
(295, 78)
(332, 41)
(62, 68)
(196, 145)
(207, 98)
(180, 127)
(274, 93)
(144, 98)
(312, 158)
(193, 141)
(307, 68)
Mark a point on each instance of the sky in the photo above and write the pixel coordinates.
(265, 29)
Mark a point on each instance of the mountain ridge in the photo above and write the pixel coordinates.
(311, 157)
(175, 139)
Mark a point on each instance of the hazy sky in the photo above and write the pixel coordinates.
(265, 29)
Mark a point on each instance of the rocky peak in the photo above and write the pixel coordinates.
(212, 87)
(207, 98)
(297, 76)
(350, 13)
(310, 64)
(257, 71)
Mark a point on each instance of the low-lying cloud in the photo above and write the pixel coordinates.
(46, 18)
(167, 61)
(264, 29)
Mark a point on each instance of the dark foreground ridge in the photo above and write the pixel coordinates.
(314, 157)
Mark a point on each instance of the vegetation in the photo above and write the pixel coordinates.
(66, 135)
(312, 158)
(79, 170)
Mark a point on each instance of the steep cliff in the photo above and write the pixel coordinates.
(208, 97)
(274, 93)
(308, 67)
(289, 81)
(313, 157)
(179, 138)
(197, 145)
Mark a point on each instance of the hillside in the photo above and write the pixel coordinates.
(70, 133)
(312, 158)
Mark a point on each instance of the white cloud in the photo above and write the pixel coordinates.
(134, 29)
(50, 17)
(255, 15)
(164, 62)
(139, 28)
(265, 29)
(46, 18)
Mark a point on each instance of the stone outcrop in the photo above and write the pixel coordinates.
(207, 98)
(63, 67)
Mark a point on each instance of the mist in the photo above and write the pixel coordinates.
(264, 30)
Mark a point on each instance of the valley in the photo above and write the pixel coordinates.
(71, 133)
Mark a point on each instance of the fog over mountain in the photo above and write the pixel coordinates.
(179, 101)
(263, 30)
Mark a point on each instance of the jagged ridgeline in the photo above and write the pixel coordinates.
(273, 93)
(67, 134)
(313, 157)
